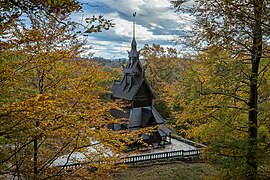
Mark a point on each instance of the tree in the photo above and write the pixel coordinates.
(51, 106)
(239, 31)
(163, 70)
(12, 11)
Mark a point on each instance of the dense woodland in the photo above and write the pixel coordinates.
(53, 103)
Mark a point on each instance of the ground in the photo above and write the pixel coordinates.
(175, 145)
(169, 171)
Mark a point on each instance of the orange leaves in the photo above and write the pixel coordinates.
(63, 105)
(52, 97)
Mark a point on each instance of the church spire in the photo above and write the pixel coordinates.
(134, 22)
(134, 53)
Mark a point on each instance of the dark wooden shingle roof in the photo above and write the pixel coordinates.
(130, 84)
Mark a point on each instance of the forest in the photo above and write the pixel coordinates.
(55, 103)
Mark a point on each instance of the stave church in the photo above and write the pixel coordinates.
(136, 91)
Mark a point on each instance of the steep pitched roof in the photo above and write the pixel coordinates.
(157, 116)
(115, 86)
(120, 113)
(135, 118)
(130, 84)
(126, 90)
(163, 130)
(141, 116)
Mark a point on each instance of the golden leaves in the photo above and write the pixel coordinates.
(54, 98)
(68, 108)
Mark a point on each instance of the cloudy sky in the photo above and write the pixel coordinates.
(156, 22)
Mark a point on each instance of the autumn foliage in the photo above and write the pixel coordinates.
(206, 95)
(51, 105)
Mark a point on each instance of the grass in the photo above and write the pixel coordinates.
(172, 170)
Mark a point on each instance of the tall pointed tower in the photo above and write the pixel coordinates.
(135, 89)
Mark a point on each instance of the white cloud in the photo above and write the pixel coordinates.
(125, 6)
(158, 3)
(125, 28)
(156, 23)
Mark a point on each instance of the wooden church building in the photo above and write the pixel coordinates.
(135, 89)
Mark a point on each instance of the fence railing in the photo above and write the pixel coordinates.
(72, 166)
(146, 157)
(162, 155)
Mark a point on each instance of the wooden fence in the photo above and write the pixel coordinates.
(162, 155)
(181, 154)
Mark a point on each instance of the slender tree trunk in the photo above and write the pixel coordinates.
(253, 127)
(253, 101)
(17, 164)
(36, 156)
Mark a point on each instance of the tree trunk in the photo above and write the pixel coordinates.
(36, 155)
(35, 159)
(253, 101)
(253, 126)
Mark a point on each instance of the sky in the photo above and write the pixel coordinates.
(156, 22)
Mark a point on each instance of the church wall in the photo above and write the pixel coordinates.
(143, 97)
